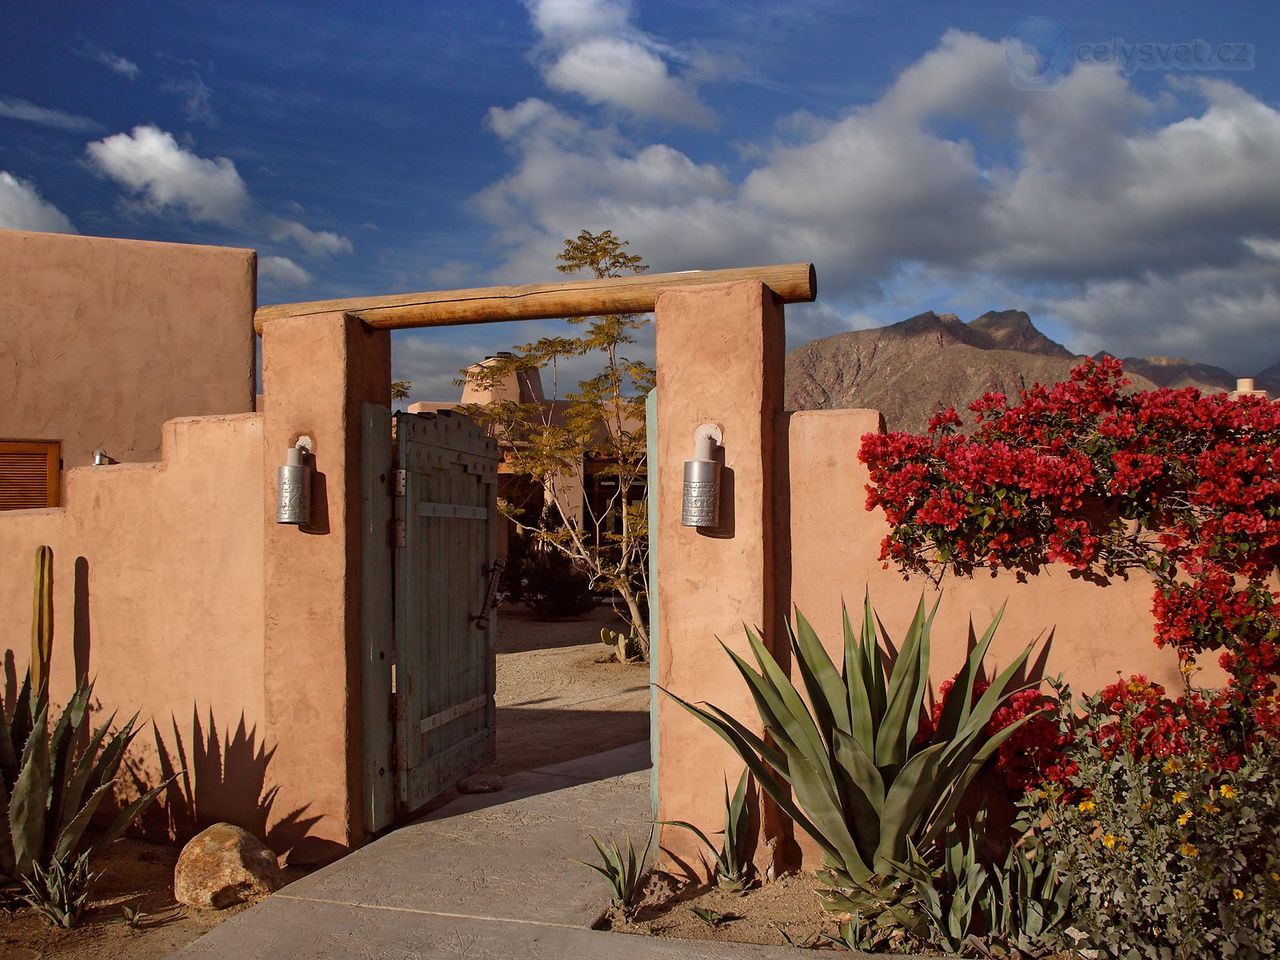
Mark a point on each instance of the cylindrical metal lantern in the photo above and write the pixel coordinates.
(293, 489)
(701, 501)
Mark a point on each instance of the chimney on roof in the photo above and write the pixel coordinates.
(1245, 388)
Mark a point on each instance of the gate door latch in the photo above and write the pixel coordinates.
(481, 619)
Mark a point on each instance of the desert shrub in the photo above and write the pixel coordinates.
(555, 587)
(1166, 815)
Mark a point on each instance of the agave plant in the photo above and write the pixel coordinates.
(847, 766)
(1028, 902)
(61, 890)
(624, 871)
(52, 791)
(732, 858)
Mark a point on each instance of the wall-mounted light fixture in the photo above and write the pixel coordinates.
(701, 501)
(293, 485)
(102, 459)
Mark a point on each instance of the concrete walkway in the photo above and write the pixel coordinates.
(488, 876)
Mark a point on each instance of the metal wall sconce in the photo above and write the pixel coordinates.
(700, 505)
(293, 485)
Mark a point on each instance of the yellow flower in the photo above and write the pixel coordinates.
(1171, 766)
(1180, 795)
(1182, 820)
(1109, 840)
(1238, 893)
(1227, 791)
(1211, 808)
(1189, 850)
(1085, 806)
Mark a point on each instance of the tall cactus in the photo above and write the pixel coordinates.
(42, 622)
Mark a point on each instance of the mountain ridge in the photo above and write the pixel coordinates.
(911, 369)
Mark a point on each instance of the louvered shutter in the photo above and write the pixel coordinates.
(29, 473)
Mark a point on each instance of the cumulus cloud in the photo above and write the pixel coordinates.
(165, 176)
(282, 271)
(316, 242)
(18, 109)
(22, 208)
(592, 48)
(1153, 221)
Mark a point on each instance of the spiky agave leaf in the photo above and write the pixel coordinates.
(860, 784)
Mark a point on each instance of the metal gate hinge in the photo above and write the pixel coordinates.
(398, 482)
(399, 533)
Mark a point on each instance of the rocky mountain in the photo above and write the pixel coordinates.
(1176, 372)
(1269, 380)
(911, 369)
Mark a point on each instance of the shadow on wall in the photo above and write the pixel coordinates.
(222, 778)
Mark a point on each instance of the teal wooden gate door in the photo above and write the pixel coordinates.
(444, 536)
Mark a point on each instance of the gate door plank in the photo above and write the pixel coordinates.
(445, 716)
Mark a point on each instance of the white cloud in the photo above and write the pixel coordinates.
(112, 61)
(283, 271)
(17, 109)
(1228, 315)
(22, 208)
(315, 242)
(431, 363)
(1147, 219)
(150, 163)
(592, 49)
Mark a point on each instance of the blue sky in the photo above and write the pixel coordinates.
(925, 156)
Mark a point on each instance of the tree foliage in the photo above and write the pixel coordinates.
(601, 421)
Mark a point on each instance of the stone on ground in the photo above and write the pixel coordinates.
(482, 782)
(222, 866)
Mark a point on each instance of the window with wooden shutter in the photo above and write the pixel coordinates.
(29, 473)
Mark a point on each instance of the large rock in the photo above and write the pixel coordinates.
(222, 866)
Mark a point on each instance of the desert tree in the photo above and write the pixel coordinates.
(601, 421)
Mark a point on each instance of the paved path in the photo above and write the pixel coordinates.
(488, 876)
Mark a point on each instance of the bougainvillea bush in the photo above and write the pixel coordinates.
(1166, 823)
(1183, 485)
(1163, 812)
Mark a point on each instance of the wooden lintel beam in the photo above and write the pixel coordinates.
(789, 282)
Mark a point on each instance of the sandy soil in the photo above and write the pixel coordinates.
(135, 874)
(769, 914)
(559, 697)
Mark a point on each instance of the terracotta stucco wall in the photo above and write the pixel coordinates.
(102, 340)
(1096, 631)
(158, 596)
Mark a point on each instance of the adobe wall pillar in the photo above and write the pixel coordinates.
(720, 352)
(317, 371)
